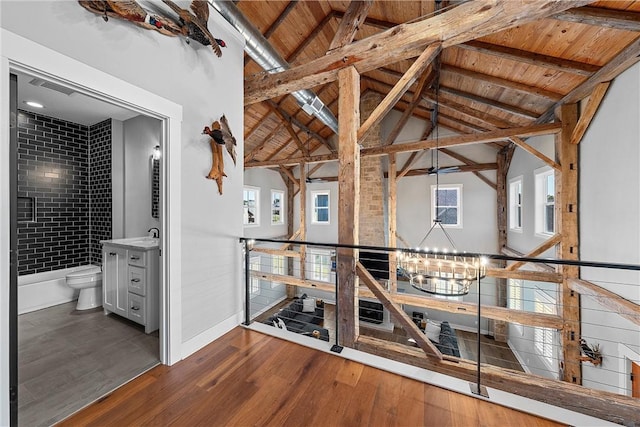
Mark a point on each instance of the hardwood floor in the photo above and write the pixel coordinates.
(68, 359)
(248, 378)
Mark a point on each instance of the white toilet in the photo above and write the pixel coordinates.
(89, 281)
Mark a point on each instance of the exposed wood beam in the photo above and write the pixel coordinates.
(300, 125)
(350, 23)
(510, 109)
(469, 162)
(488, 121)
(601, 17)
(538, 276)
(398, 313)
(461, 168)
(545, 268)
(504, 83)
(283, 15)
(408, 112)
(625, 59)
(520, 143)
(392, 189)
(539, 60)
(293, 236)
(302, 186)
(608, 406)
(289, 174)
(614, 302)
(476, 138)
(410, 161)
(256, 126)
(417, 68)
(542, 247)
(470, 308)
(286, 119)
(589, 112)
(314, 169)
(262, 145)
(294, 281)
(278, 252)
(465, 22)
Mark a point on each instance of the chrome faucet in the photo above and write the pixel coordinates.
(156, 232)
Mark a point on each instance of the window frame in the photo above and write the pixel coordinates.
(542, 203)
(458, 189)
(280, 208)
(245, 219)
(277, 268)
(255, 287)
(543, 338)
(314, 271)
(516, 204)
(315, 207)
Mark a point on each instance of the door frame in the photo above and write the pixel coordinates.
(21, 54)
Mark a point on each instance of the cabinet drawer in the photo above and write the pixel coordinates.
(136, 258)
(137, 280)
(137, 309)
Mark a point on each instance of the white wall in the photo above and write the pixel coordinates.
(141, 135)
(206, 87)
(609, 225)
(266, 180)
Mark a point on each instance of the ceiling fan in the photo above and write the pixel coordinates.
(314, 180)
(447, 169)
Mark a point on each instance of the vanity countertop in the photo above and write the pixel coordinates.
(142, 243)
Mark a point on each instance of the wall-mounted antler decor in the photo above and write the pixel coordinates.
(188, 24)
(220, 135)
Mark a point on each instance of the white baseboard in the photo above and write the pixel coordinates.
(207, 337)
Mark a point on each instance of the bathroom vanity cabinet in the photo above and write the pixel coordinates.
(130, 280)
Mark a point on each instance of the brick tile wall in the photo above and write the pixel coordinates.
(99, 188)
(53, 178)
(64, 192)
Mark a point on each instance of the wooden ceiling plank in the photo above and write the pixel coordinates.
(520, 143)
(510, 109)
(262, 145)
(537, 59)
(288, 118)
(465, 22)
(283, 15)
(292, 132)
(595, 99)
(399, 89)
(372, 22)
(469, 162)
(256, 126)
(609, 18)
(311, 37)
(476, 138)
(350, 23)
(408, 112)
(504, 83)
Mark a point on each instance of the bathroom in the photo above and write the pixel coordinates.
(88, 171)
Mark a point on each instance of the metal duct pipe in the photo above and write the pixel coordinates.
(261, 51)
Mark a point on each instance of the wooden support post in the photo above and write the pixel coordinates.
(392, 243)
(302, 185)
(567, 226)
(291, 290)
(503, 159)
(348, 201)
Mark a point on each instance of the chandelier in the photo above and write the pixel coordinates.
(445, 273)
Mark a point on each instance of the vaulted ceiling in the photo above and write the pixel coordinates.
(511, 78)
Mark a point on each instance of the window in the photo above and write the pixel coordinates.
(446, 204)
(320, 207)
(254, 282)
(251, 206)
(277, 267)
(515, 300)
(515, 204)
(543, 337)
(545, 201)
(276, 207)
(320, 265)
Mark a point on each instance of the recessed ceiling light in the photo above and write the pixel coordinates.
(34, 104)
